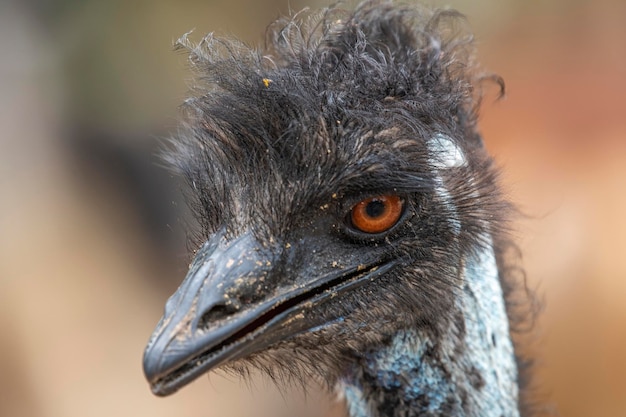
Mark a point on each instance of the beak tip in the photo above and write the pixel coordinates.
(152, 372)
(157, 389)
(151, 365)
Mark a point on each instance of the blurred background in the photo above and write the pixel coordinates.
(90, 241)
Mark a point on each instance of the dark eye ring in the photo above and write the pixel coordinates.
(377, 214)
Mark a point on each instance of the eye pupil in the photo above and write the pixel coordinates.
(375, 208)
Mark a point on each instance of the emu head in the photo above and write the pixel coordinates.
(340, 185)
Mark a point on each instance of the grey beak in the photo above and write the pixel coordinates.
(200, 313)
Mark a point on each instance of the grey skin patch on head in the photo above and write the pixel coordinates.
(445, 153)
(446, 200)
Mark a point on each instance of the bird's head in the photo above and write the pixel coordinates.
(339, 183)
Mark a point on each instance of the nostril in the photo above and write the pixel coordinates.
(216, 313)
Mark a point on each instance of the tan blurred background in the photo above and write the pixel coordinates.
(90, 245)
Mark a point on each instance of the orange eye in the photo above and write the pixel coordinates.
(377, 214)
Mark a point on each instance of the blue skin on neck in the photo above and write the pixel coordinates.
(470, 373)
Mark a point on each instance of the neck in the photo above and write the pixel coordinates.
(469, 371)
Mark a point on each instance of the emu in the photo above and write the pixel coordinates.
(351, 228)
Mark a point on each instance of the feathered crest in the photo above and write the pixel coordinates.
(320, 83)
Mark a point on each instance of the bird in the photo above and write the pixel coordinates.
(351, 226)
